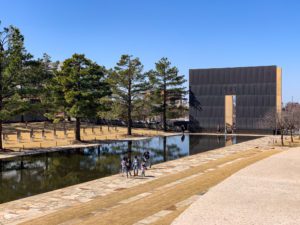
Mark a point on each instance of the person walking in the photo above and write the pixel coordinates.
(182, 128)
(143, 167)
(218, 129)
(135, 166)
(123, 166)
(147, 158)
(128, 167)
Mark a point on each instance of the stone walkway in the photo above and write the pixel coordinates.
(36, 206)
(266, 192)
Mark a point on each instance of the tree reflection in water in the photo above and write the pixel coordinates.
(29, 175)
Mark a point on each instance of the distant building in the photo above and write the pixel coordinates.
(292, 106)
(235, 98)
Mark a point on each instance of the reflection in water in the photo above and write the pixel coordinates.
(129, 151)
(228, 140)
(29, 175)
(165, 150)
(182, 138)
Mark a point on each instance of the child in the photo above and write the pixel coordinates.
(143, 168)
(123, 166)
(135, 166)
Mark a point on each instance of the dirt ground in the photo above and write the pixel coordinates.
(287, 141)
(17, 135)
(159, 197)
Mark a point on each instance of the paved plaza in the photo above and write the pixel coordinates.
(266, 192)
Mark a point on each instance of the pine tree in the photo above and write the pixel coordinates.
(33, 90)
(81, 84)
(166, 87)
(13, 60)
(128, 85)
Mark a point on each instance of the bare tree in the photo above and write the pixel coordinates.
(275, 122)
(288, 118)
(297, 119)
(292, 118)
(280, 126)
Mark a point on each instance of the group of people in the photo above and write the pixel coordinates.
(138, 164)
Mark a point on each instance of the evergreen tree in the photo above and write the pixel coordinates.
(80, 85)
(166, 88)
(37, 75)
(54, 100)
(13, 60)
(128, 85)
(143, 108)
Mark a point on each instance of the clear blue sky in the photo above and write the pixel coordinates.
(191, 33)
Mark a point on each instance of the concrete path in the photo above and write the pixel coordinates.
(267, 192)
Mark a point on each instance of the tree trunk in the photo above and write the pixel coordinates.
(292, 140)
(129, 150)
(1, 144)
(47, 162)
(165, 108)
(77, 130)
(1, 102)
(129, 125)
(165, 149)
(282, 143)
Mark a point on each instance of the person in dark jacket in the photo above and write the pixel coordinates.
(147, 158)
(128, 167)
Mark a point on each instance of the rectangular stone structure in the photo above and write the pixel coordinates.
(258, 93)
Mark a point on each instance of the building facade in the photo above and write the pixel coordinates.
(239, 97)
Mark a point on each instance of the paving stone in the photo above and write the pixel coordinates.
(162, 213)
(135, 198)
(149, 220)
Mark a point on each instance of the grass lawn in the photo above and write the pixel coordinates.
(89, 133)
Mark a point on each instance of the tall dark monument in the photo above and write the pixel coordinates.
(238, 97)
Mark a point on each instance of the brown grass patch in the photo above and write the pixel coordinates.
(89, 134)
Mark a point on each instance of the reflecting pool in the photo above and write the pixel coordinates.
(30, 175)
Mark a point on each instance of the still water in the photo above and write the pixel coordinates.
(30, 175)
